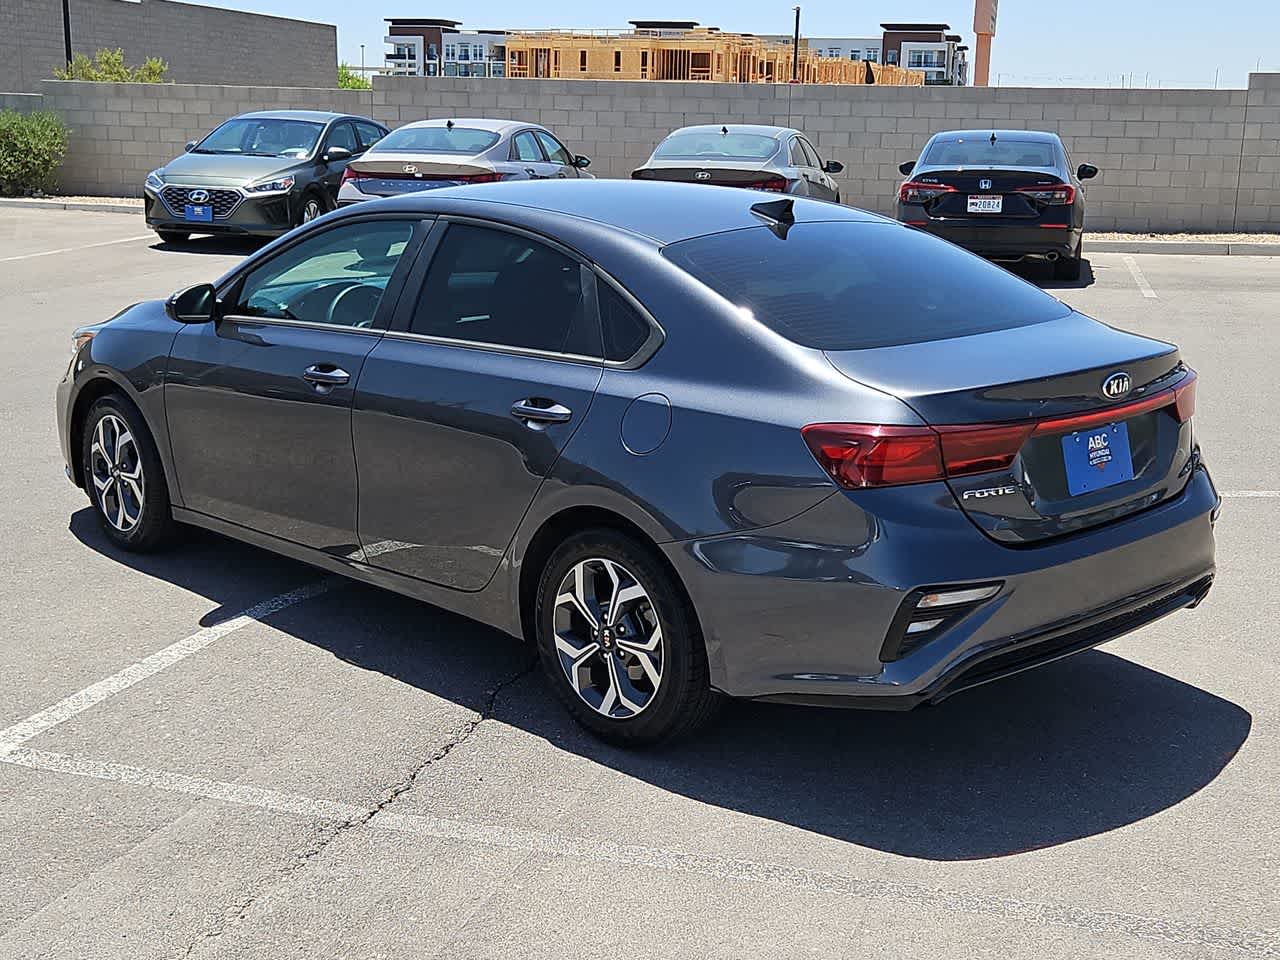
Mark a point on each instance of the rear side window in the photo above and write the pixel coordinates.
(625, 331)
(494, 287)
(850, 286)
(981, 152)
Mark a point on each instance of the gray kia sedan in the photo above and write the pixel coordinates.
(258, 174)
(690, 442)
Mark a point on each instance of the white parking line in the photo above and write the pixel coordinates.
(86, 246)
(1248, 942)
(1139, 279)
(1249, 494)
(33, 726)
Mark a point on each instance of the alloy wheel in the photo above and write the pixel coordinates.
(608, 638)
(115, 465)
(311, 210)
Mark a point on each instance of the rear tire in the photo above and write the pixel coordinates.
(1068, 268)
(640, 676)
(124, 477)
(173, 236)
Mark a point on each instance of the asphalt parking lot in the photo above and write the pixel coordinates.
(217, 752)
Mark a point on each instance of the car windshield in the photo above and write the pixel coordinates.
(848, 286)
(715, 145)
(262, 137)
(979, 151)
(463, 140)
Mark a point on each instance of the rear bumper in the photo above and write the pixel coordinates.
(1002, 241)
(252, 217)
(800, 612)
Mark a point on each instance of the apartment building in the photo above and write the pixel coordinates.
(929, 47)
(430, 47)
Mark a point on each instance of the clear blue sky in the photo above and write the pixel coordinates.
(1039, 43)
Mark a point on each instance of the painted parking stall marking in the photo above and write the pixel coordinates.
(1139, 278)
(84, 246)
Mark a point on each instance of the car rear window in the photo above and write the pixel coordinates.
(714, 145)
(979, 151)
(463, 140)
(852, 286)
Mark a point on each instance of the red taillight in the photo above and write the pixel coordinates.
(349, 175)
(493, 177)
(913, 192)
(1056, 195)
(858, 455)
(771, 185)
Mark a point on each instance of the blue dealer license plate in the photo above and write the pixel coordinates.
(1097, 458)
(199, 212)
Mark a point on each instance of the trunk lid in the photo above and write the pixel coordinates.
(986, 182)
(1043, 378)
(718, 173)
(410, 173)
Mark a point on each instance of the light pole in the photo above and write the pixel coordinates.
(66, 30)
(362, 59)
(795, 50)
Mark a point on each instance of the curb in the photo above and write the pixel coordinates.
(71, 205)
(1199, 248)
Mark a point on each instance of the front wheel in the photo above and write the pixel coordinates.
(620, 643)
(313, 206)
(124, 477)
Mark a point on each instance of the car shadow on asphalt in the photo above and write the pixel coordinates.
(1067, 751)
(1041, 274)
(214, 246)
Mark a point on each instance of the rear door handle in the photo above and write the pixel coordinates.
(325, 375)
(537, 410)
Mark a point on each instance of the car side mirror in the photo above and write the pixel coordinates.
(581, 162)
(197, 304)
(336, 153)
(907, 167)
(189, 146)
(832, 166)
(1086, 171)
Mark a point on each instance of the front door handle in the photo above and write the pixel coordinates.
(537, 410)
(325, 375)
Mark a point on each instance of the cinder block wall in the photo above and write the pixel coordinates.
(1170, 159)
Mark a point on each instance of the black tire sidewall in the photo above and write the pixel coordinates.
(156, 525)
(684, 675)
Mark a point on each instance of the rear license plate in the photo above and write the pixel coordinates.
(1097, 458)
(986, 204)
(199, 212)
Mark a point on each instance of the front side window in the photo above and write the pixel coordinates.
(342, 135)
(493, 287)
(368, 134)
(556, 151)
(262, 137)
(810, 154)
(525, 147)
(336, 278)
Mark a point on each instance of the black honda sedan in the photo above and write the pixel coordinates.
(689, 441)
(1008, 195)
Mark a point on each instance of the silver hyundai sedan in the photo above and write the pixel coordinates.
(449, 153)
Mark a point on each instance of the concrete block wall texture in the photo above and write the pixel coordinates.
(1170, 159)
(201, 44)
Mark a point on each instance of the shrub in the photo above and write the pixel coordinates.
(109, 65)
(32, 146)
(349, 79)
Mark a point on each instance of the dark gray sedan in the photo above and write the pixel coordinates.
(773, 159)
(688, 441)
(258, 174)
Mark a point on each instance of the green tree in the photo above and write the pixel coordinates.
(109, 66)
(351, 79)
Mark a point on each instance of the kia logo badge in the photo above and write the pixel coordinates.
(984, 184)
(198, 196)
(702, 175)
(1116, 386)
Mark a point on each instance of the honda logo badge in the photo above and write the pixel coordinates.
(984, 184)
(1116, 386)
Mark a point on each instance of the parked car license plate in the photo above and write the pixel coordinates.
(200, 212)
(1097, 458)
(986, 204)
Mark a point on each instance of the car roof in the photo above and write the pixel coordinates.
(757, 128)
(317, 116)
(1018, 136)
(662, 212)
(476, 123)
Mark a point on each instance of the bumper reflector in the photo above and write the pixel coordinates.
(950, 598)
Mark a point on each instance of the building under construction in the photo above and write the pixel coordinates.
(682, 50)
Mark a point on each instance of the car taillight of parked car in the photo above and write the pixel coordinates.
(1059, 195)
(913, 192)
(770, 185)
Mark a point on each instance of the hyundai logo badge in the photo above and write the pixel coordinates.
(1116, 386)
(410, 168)
(198, 196)
(984, 184)
(702, 175)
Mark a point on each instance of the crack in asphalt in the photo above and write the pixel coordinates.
(237, 912)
